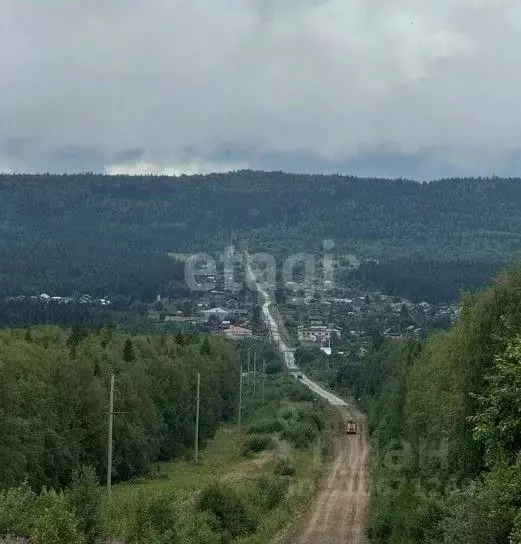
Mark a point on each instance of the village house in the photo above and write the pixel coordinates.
(316, 334)
(218, 312)
(181, 320)
(237, 333)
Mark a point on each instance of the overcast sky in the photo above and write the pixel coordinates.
(419, 88)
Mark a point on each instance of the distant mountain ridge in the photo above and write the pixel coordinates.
(104, 235)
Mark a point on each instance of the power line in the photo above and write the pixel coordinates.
(78, 440)
(190, 407)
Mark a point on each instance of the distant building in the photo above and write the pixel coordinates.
(181, 320)
(237, 333)
(316, 334)
(221, 313)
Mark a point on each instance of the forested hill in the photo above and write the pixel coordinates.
(446, 426)
(103, 235)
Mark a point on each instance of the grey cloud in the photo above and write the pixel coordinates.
(92, 84)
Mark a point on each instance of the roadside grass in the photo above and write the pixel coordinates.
(226, 461)
(221, 456)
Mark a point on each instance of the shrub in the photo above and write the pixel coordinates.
(257, 443)
(266, 427)
(17, 510)
(271, 490)
(312, 416)
(232, 514)
(285, 467)
(194, 528)
(154, 519)
(84, 496)
(301, 435)
(287, 414)
(300, 393)
(54, 522)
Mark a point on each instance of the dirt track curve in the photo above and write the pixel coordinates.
(338, 513)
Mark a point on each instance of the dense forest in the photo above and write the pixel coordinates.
(111, 235)
(245, 486)
(446, 429)
(421, 279)
(54, 400)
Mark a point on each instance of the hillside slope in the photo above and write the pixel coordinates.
(101, 234)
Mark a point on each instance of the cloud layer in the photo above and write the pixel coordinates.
(370, 86)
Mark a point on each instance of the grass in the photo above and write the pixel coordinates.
(223, 460)
(221, 452)
(221, 457)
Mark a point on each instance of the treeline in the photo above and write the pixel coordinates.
(446, 427)
(54, 400)
(419, 279)
(104, 235)
(19, 313)
(22, 312)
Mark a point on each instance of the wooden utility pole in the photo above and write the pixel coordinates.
(254, 373)
(111, 423)
(240, 398)
(248, 367)
(263, 380)
(197, 418)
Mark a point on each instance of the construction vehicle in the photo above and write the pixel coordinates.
(351, 427)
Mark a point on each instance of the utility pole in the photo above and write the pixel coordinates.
(240, 398)
(263, 380)
(197, 418)
(248, 367)
(254, 373)
(111, 422)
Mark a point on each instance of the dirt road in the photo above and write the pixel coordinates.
(338, 513)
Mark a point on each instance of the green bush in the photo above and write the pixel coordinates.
(154, 519)
(257, 443)
(300, 393)
(287, 414)
(271, 489)
(54, 521)
(84, 496)
(233, 515)
(285, 467)
(17, 506)
(301, 435)
(312, 416)
(194, 528)
(266, 427)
